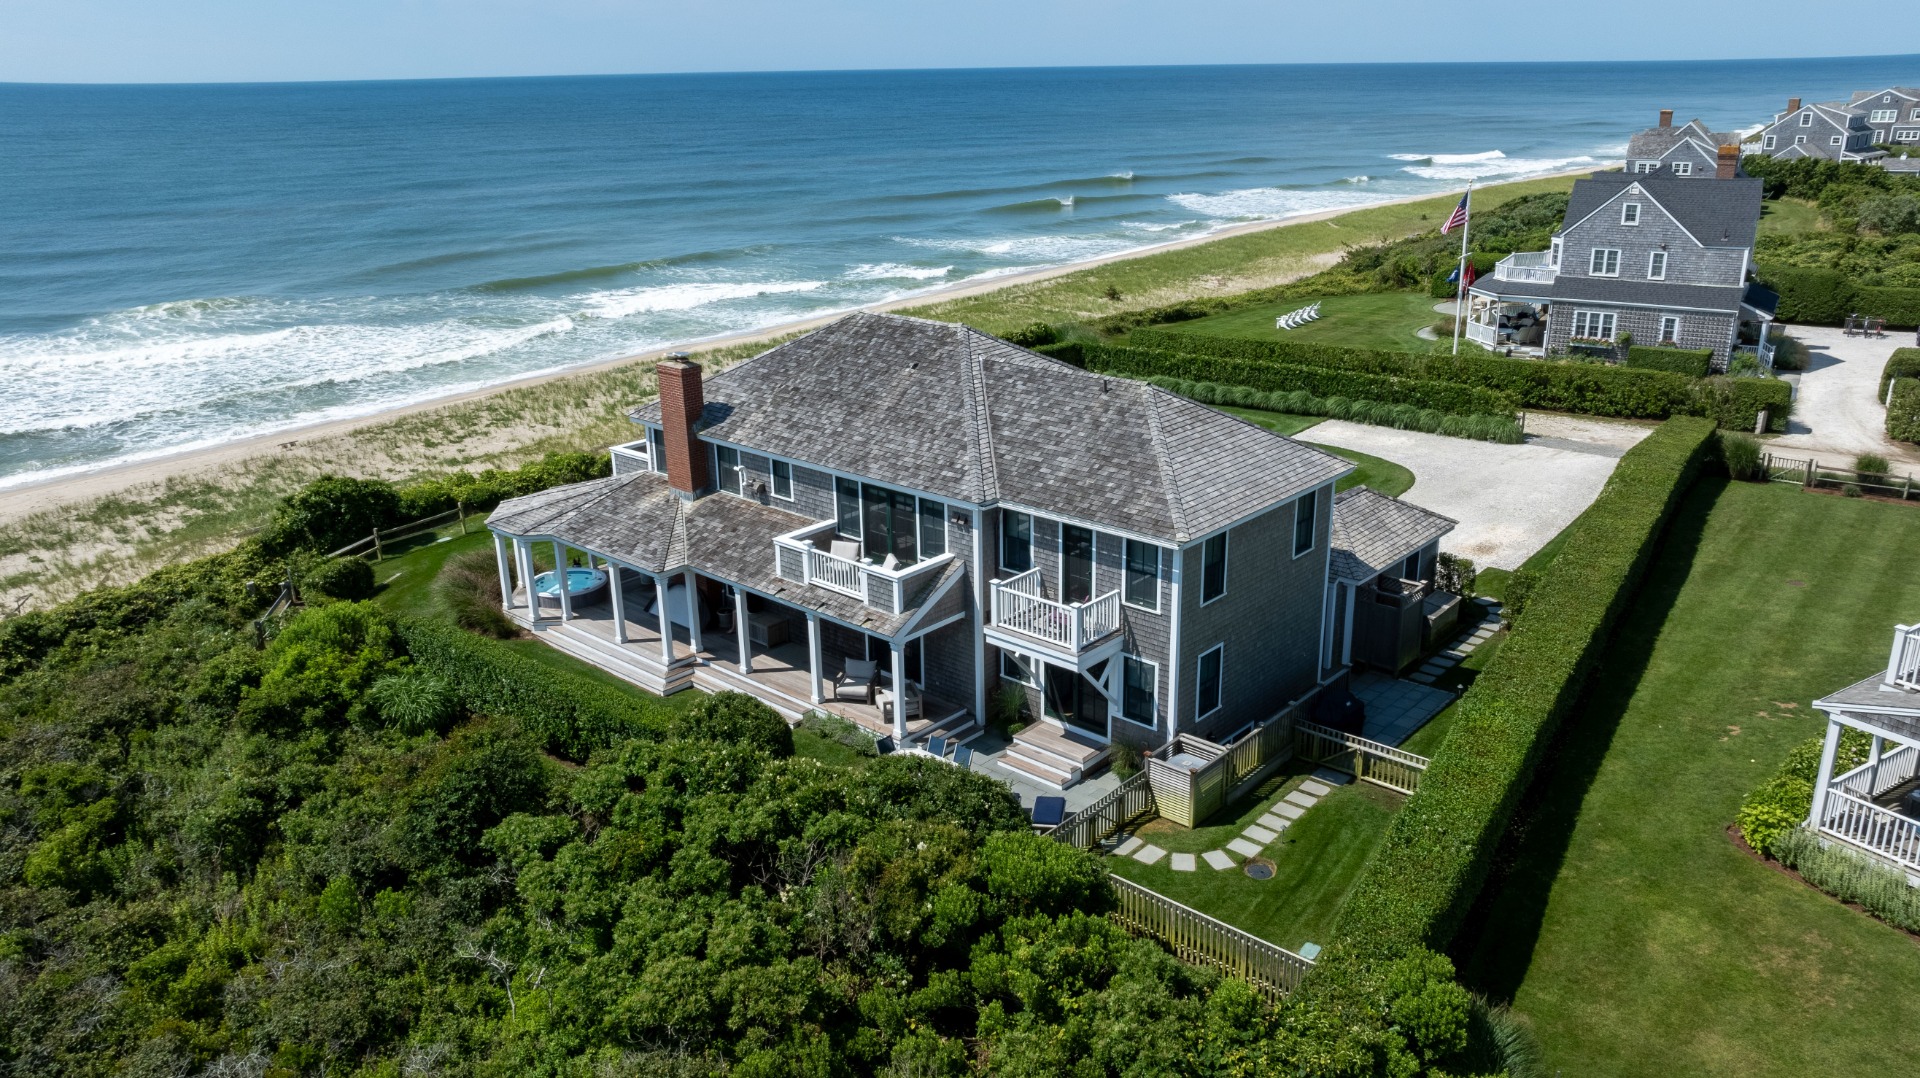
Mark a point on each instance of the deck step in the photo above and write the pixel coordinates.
(1041, 773)
(649, 676)
(1068, 753)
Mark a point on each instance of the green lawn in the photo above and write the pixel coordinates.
(1316, 862)
(1388, 321)
(406, 580)
(1632, 932)
(1379, 473)
(1790, 217)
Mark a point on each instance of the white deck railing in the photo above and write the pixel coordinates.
(1876, 777)
(1479, 334)
(835, 573)
(797, 556)
(1021, 604)
(1888, 834)
(1903, 665)
(1535, 267)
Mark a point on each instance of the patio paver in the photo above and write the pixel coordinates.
(1217, 858)
(1148, 855)
(1259, 834)
(1182, 862)
(1127, 847)
(1244, 848)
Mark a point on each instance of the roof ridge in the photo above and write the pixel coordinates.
(1169, 482)
(976, 391)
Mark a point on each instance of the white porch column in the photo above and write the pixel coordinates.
(560, 579)
(900, 692)
(1346, 631)
(740, 630)
(525, 551)
(1873, 763)
(693, 610)
(1819, 813)
(501, 556)
(619, 597)
(813, 656)
(666, 621)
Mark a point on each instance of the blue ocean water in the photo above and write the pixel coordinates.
(185, 265)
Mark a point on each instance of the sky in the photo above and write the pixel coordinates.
(300, 40)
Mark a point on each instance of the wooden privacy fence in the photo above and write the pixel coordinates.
(1368, 761)
(1810, 473)
(1091, 825)
(375, 544)
(1200, 940)
(1193, 778)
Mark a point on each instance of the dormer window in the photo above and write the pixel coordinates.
(1630, 213)
(1553, 254)
(1806, 119)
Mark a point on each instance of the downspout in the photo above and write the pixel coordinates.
(1173, 649)
(979, 621)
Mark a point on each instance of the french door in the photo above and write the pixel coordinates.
(1076, 564)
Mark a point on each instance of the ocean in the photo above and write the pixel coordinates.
(181, 266)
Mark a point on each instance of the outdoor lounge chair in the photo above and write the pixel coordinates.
(963, 757)
(856, 680)
(937, 746)
(916, 704)
(1047, 812)
(844, 548)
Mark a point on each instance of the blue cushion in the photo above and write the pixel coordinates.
(1048, 811)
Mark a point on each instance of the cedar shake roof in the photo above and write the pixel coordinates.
(1696, 297)
(1720, 213)
(950, 411)
(1871, 701)
(1372, 532)
(1655, 142)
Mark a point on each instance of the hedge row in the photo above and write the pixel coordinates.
(1437, 851)
(1903, 363)
(1735, 403)
(1321, 381)
(571, 715)
(1692, 362)
(1485, 428)
(1585, 388)
(1903, 411)
(1825, 297)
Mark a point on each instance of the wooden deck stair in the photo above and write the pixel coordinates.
(1056, 757)
(627, 663)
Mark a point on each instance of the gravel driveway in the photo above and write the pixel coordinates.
(1837, 412)
(1509, 499)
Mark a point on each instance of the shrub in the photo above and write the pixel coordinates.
(1519, 586)
(1439, 396)
(836, 729)
(431, 495)
(469, 588)
(738, 719)
(1741, 454)
(1735, 403)
(1453, 573)
(1486, 428)
(329, 513)
(1899, 306)
(1435, 856)
(1879, 889)
(1785, 799)
(1789, 354)
(414, 701)
(1692, 362)
(341, 578)
(1817, 296)
(1903, 411)
(1032, 335)
(1903, 363)
(1872, 467)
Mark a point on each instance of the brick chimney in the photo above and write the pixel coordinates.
(1729, 167)
(1666, 118)
(1793, 105)
(681, 402)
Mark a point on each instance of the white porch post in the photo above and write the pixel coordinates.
(693, 611)
(813, 656)
(1819, 813)
(525, 551)
(740, 629)
(666, 620)
(560, 580)
(619, 596)
(501, 556)
(900, 692)
(1873, 763)
(1346, 632)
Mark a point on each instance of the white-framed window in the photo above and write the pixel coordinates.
(657, 448)
(1911, 134)
(1806, 119)
(1883, 116)
(1019, 669)
(1553, 253)
(1207, 682)
(1645, 166)
(1835, 141)
(1768, 143)
(1880, 136)
(1683, 168)
(1306, 522)
(1799, 140)
(782, 476)
(1914, 115)
(1630, 213)
(1213, 568)
(1669, 329)
(1657, 266)
(933, 528)
(1016, 541)
(1141, 588)
(1604, 262)
(1139, 690)
(1597, 325)
(727, 468)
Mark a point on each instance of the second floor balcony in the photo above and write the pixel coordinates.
(1527, 267)
(1021, 606)
(818, 556)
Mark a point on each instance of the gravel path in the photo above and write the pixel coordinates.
(1509, 499)
(1837, 412)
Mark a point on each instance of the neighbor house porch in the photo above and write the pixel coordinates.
(1875, 807)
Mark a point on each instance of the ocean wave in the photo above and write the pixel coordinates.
(1150, 226)
(599, 273)
(1448, 158)
(1357, 179)
(1500, 166)
(626, 302)
(1034, 205)
(895, 271)
(1265, 203)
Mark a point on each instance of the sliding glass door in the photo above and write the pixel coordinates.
(888, 521)
(1076, 563)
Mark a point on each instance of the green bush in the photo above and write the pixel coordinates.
(1440, 396)
(341, 578)
(469, 588)
(437, 494)
(1486, 428)
(1032, 335)
(1437, 851)
(1821, 297)
(1735, 403)
(1903, 411)
(329, 513)
(1585, 388)
(1782, 802)
(569, 714)
(1789, 354)
(1513, 599)
(414, 701)
(1692, 362)
(738, 719)
(1741, 454)
(1455, 574)
(1879, 889)
(1903, 363)
(1872, 467)
(1899, 306)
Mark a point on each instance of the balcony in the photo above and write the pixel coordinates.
(1903, 665)
(807, 555)
(1526, 267)
(1021, 606)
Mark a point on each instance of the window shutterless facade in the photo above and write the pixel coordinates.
(1206, 683)
(1604, 262)
(1630, 213)
(1834, 141)
(657, 449)
(1017, 669)
(1593, 324)
(1142, 588)
(1213, 568)
(1806, 119)
(1683, 168)
(846, 505)
(1769, 142)
(933, 528)
(1883, 116)
(1306, 522)
(1669, 329)
(1016, 542)
(782, 480)
(727, 470)
(1139, 690)
(1645, 166)
(1657, 266)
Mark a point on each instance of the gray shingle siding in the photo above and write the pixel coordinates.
(1697, 329)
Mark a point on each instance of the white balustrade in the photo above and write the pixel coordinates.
(1530, 266)
(1020, 604)
(1862, 823)
(1479, 334)
(875, 585)
(835, 573)
(1903, 665)
(1874, 778)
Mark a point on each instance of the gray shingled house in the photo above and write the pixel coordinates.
(1832, 130)
(1664, 259)
(1689, 151)
(889, 502)
(1873, 807)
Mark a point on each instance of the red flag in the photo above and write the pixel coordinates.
(1470, 275)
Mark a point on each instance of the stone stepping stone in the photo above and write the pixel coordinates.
(1329, 775)
(1259, 834)
(1317, 789)
(1244, 848)
(1274, 823)
(1148, 855)
(1129, 846)
(1182, 862)
(1435, 669)
(1217, 859)
(1309, 951)
(1291, 812)
(1422, 677)
(1304, 800)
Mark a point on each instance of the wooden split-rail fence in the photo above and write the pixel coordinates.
(375, 545)
(1810, 473)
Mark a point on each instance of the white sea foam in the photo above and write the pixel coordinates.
(1152, 226)
(1502, 165)
(1263, 203)
(1449, 158)
(626, 302)
(895, 271)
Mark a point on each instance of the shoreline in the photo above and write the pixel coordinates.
(52, 492)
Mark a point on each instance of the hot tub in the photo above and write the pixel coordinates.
(581, 584)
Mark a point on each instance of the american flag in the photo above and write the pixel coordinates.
(1459, 216)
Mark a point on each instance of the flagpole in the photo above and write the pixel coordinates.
(1460, 292)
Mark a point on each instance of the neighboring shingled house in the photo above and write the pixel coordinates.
(1689, 151)
(977, 522)
(1833, 131)
(1891, 114)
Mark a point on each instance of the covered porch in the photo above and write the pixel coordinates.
(1513, 324)
(1874, 807)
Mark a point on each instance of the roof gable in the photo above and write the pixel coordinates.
(1715, 213)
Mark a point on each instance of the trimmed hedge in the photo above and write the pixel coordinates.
(1485, 428)
(1826, 297)
(1692, 362)
(1903, 363)
(571, 715)
(1586, 388)
(1735, 403)
(1899, 306)
(1903, 411)
(1437, 851)
(1321, 381)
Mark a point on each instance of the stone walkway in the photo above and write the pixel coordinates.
(1276, 819)
(1462, 647)
(1396, 708)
